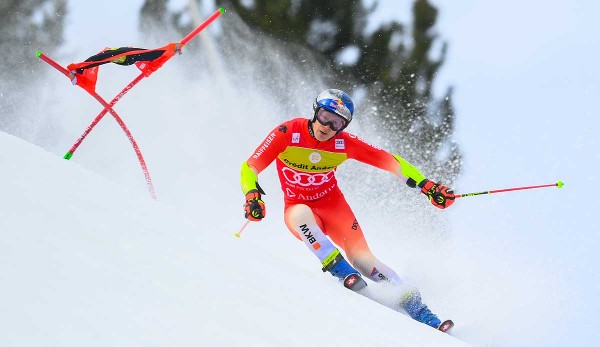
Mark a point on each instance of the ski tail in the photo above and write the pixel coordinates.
(446, 325)
(354, 282)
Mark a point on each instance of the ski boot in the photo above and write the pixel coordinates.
(340, 268)
(417, 310)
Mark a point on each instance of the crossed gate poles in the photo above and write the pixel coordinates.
(147, 67)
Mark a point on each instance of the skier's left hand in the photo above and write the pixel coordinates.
(439, 195)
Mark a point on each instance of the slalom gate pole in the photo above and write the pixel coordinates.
(558, 184)
(201, 27)
(136, 148)
(96, 120)
(239, 233)
(112, 103)
(108, 107)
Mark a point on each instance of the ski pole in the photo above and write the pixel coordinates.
(238, 234)
(558, 184)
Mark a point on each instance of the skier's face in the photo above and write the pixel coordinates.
(322, 132)
(335, 122)
(327, 124)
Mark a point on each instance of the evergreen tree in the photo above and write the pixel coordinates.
(156, 20)
(152, 15)
(393, 65)
(26, 26)
(413, 117)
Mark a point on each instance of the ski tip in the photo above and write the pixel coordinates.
(560, 184)
(222, 10)
(236, 234)
(68, 156)
(38, 53)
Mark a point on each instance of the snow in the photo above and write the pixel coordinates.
(86, 262)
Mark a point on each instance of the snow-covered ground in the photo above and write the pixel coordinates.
(85, 262)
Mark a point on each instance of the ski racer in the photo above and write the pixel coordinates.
(307, 153)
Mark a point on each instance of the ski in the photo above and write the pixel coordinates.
(354, 282)
(446, 326)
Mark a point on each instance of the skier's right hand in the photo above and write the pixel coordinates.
(254, 208)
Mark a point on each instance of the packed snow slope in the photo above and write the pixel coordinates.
(85, 262)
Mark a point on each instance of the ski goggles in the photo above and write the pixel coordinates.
(335, 122)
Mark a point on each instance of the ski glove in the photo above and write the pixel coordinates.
(439, 195)
(254, 208)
